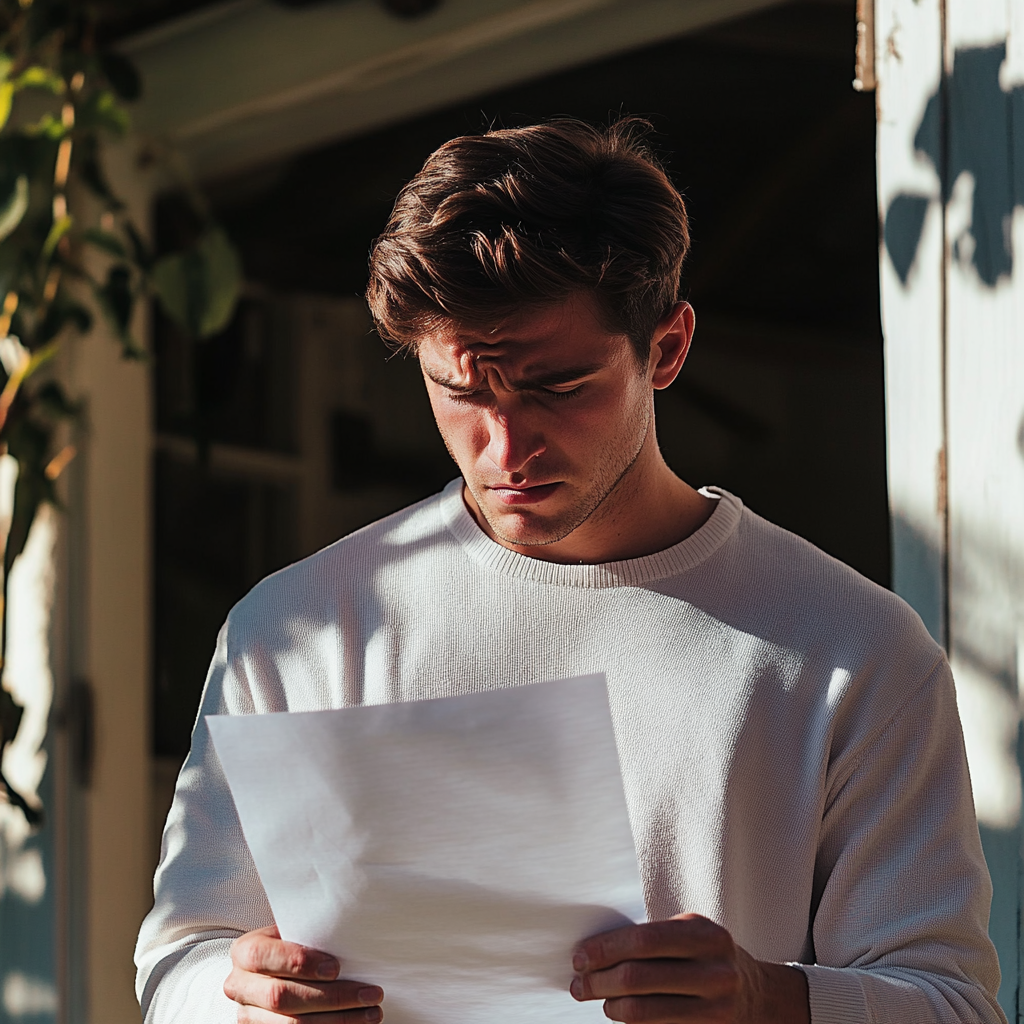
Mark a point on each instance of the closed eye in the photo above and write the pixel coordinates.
(467, 396)
(573, 392)
(559, 393)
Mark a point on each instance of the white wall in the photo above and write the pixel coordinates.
(111, 881)
(951, 116)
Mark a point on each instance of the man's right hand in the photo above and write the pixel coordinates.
(277, 982)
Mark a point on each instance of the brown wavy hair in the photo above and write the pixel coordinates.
(515, 218)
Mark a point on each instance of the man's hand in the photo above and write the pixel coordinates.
(685, 969)
(277, 982)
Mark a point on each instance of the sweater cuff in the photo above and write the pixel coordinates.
(835, 993)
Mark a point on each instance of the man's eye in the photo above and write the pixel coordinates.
(571, 393)
(467, 396)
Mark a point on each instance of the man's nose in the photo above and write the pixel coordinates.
(514, 440)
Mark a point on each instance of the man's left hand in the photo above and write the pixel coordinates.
(685, 969)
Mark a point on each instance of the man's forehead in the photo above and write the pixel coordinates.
(541, 332)
(545, 323)
(456, 356)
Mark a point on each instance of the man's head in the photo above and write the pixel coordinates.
(535, 274)
(526, 217)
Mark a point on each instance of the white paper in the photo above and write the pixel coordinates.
(452, 851)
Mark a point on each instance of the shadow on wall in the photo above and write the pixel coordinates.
(985, 667)
(981, 144)
(985, 661)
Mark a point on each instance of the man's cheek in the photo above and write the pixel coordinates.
(579, 432)
(465, 441)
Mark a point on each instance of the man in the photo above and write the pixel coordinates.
(790, 747)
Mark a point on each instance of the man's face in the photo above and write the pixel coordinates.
(547, 416)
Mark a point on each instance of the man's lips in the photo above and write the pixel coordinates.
(509, 495)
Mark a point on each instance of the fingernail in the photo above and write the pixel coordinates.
(576, 988)
(579, 960)
(370, 995)
(328, 969)
(374, 1014)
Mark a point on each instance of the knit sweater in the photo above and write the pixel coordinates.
(788, 734)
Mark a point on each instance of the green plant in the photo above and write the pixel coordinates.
(68, 249)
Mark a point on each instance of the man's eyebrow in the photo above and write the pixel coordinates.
(449, 382)
(553, 378)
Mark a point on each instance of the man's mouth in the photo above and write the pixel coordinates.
(508, 494)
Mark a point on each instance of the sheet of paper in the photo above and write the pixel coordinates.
(452, 851)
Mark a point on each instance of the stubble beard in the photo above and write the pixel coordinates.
(610, 478)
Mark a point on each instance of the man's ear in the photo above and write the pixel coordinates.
(670, 344)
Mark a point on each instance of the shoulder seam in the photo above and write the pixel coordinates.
(857, 758)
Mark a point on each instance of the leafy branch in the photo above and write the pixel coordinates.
(69, 248)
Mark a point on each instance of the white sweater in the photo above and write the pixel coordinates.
(790, 746)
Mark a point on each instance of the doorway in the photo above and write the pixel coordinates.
(297, 425)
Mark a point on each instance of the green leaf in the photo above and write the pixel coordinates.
(122, 74)
(199, 288)
(40, 357)
(14, 206)
(52, 400)
(6, 99)
(30, 492)
(223, 281)
(103, 111)
(60, 313)
(117, 298)
(11, 267)
(46, 17)
(90, 171)
(39, 77)
(6, 63)
(176, 280)
(24, 154)
(140, 251)
(106, 241)
(28, 443)
(49, 127)
(60, 228)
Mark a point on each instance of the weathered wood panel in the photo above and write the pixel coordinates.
(909, 70)
(951, 167)
(985, 404)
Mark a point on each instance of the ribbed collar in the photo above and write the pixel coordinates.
(679, 558)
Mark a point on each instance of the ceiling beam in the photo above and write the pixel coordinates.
(249, 81)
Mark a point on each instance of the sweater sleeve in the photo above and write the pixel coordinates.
(900, 929)
(206, 890)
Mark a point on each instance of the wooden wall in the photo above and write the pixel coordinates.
(951, 182)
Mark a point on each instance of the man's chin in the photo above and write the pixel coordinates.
(526, 528)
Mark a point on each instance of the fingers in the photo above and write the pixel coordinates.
(688, 936)
(278, 981)
(704, 979)
(664, 972)
(287, 996)
(264, 952)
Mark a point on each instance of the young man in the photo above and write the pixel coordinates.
(790, 747)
